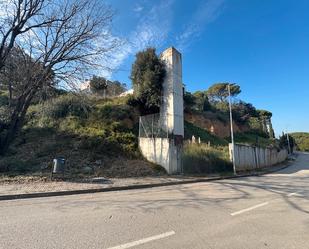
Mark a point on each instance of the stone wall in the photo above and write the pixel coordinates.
(252, 157)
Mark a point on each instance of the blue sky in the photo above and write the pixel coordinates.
(262, 45)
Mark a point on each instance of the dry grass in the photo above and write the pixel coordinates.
(202, 159)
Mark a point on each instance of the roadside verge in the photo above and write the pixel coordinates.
(141, 186)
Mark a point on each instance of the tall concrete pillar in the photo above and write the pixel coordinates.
(167, 150)
(172, 103)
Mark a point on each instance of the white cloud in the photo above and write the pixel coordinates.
(138, 8)
(207, 12)
(154, 26)
(151, 30)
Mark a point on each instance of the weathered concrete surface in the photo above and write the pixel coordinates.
(252, 157)
(167, 151)
(199, 214)
(161, 151)
(156, 150)
(172, 106)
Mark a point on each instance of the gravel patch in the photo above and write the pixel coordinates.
(24, 187)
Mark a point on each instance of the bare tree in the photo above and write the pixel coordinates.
(17, 18)
(76, 40)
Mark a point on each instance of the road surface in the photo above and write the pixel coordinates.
(270, 211)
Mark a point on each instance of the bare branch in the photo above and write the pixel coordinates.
(61, 43)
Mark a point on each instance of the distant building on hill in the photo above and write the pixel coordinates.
(126, 93)
(85, 86)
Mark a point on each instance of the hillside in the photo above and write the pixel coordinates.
(95, 136)
(302, 140)
(217, 123)
(99, 136)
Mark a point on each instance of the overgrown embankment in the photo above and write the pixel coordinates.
(98, 137)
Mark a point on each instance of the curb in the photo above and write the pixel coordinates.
(130, 187)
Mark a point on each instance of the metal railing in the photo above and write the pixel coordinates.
(153, 126)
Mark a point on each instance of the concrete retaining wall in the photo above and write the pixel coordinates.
(162, 151)
(251, 157)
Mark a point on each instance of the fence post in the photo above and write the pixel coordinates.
(152, 126)
(139, 126)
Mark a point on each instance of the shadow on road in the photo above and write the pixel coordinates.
(293, 179)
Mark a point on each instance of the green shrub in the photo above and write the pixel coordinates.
(67, 105)
(147, 75)
(304, 146)
(114, 143)
(201, 159)
(253, 138)
(16, 166)
(302, 140)
(114, 112)
(5, 114)
(128, 142)
(222, 106)
(255, 124)
(223, 117)
(70, 123)
(4, 99)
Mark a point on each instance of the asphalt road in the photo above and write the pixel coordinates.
(270, 211)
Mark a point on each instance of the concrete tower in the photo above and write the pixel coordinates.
(172, 103)
(166, 150)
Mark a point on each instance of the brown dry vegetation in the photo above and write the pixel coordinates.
(218, 126)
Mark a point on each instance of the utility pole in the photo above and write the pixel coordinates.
(232, 132)
(289, 145)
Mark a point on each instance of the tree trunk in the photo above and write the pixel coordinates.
(10, 94)
(16, 122)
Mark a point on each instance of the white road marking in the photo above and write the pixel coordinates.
(276, 191)
(143, 241)
(249, 209)
(295, 194)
